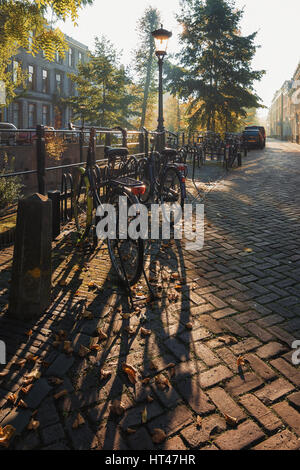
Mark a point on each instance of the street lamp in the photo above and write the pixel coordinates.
(161, 38)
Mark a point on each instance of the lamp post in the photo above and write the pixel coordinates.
(161, 39)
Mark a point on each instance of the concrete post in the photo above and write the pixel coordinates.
(30, 291)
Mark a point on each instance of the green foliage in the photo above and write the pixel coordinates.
(103, 89)
(214, 65)
(10, 188)
(145, 66)
(23, 24)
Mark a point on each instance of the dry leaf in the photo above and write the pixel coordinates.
(62, 282)
(60, 394)
(145, 381)
(27, 389)
(28, 333)
(79, 420)
(175, 276)
(3, 373)
(248, 250)
(12, 398)
(144, 416)
(150, 399)
(178, 287)
(101, 334)
(130, 431)
(130, 371)
(55, 381)
(199, 421)
(117, 408)
(33, 425)
(189, 326)
(83, 351)
(21, 362)
(145, 332)
(241, 361)
(6, 434)
(153, 366)
(32, 358)
(230, 420)
(162, 382)
(158, 436)
(22, 404)
(130, 330)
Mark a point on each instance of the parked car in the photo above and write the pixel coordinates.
(253, 138)
(261, 129)
(8, 138)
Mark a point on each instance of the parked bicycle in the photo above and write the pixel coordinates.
(94, 186)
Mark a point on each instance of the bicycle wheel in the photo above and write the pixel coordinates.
(127, 256)
(172, 191)
(82, 203)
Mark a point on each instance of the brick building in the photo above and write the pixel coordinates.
(47, 82)
(284, 112)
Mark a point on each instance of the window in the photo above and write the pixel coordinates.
(58, 58)
(58, 80)
(15, 70)
(45, 115)
(16, 115)
(31, 116)
(80, 57)
(31, 77)
(45, 81)
(71, 87)
(71, 57)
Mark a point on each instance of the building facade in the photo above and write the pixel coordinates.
(284, 112)
(47, 83)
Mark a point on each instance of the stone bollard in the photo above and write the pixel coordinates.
(30, 291)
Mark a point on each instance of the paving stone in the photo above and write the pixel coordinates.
(180, 351)
(226, 404)
(60, 366)
(294, 400)
(198, 436)
(175, 443)
(260, 367)
(243, 384)
(245, 346)
(245, 436)
(37, 394)
(141, 440)
(262, 414)
(191, 391)
(281, 441)
(274, 391)
(17, 418)
(52, 434)
(214, 376)
(204, 353)
(133, 417)
(289, 415)
(172, 421)
(289, 371)
(270, 350)
(47, 413)
(83, 438)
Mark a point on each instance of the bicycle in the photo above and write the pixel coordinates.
(93, 187)
(163, 177)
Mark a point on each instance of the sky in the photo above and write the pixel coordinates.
(276, 21)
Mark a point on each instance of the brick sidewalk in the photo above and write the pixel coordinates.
(241, 294)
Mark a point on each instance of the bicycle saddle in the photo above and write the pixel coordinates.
(169, 153)
(116, 151)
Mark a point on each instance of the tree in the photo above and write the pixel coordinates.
(23, 24)
(103, 88)
(144, 60)
(214, 65)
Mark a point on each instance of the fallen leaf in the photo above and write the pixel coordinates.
(199, 421)
(62, 282)
(21, 362)
(83, 351)
(32, 358)
(33, 425)
(178, 287)
(144, 416)
(150, 399)
(60, 394)
(248, 250)
(158, 436)
(104, 374)
(101, 334)
(12, 398)
(189, 326)
(28, 333)
(130, 371)
(145, 332)
(230, 420)
(146, 381)
(55, 380)
(79, 420)
(175, 276)
(22, 404)
(130, 330)
(162, 382)
(6, 434)
(241, 361)
(130, 431)
(153, 365)
(26, 389)
(117, 408)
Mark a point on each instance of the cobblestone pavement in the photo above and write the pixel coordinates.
(216, 371)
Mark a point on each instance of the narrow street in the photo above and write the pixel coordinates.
(221, 351)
